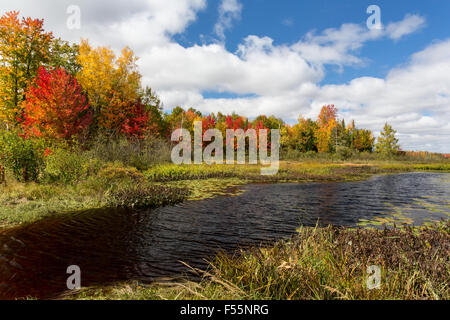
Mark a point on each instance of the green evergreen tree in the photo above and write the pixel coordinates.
(387, 143)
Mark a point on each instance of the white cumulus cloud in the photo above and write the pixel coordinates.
(408, 25)
(229, 10)
(262, 77)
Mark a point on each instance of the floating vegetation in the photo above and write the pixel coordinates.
(408, 213)
(20, 202)
(145, 196)
(205, 189)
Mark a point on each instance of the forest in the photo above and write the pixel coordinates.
(54, 94)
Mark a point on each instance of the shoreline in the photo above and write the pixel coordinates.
(27, 203)
(327, 263)
(222, 266)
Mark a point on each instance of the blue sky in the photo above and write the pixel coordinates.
(287, 21)
(285, 58)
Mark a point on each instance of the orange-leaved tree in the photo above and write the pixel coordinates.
(24, 46)
(326, 124)
(55, 106)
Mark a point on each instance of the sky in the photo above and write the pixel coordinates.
(280, 57)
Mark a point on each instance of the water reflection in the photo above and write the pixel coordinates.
(114, 245)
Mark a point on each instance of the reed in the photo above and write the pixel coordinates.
(318, 263)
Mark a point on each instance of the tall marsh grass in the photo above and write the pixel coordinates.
(317, 264)
(137, 153)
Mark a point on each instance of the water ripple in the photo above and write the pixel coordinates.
(117, 244)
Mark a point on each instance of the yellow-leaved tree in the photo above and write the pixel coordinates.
(112, 84)
(326, 124)
(24, 47)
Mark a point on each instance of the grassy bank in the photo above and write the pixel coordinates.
(106, 184)
(318, 263)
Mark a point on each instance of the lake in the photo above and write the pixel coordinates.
(111, 245)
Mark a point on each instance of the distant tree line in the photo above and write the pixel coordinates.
(55, 90)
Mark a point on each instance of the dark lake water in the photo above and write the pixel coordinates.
(115, 244)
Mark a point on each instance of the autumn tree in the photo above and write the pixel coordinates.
(363, 140)
(180, 118)
(387, 143)
(236, 122)
(175, 118)
(97, 74)
(112, 84)
(55, 106)
(269, 122)
(135, 120)
(285, 136)
(304, 135)
(24, 46)
(326, 125)
(208, 122)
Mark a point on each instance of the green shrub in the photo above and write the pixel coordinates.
(344, 153)
(115, 172)
(24, 157)
(63, 165)
(92, 167)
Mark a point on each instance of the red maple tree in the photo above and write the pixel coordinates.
(55, 106)
(136, 121)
